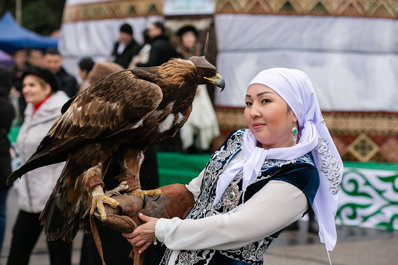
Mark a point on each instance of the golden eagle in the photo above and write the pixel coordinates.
(118, 116)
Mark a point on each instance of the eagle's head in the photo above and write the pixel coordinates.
(197, 70)
(206, 73)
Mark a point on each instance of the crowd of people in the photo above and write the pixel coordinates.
(273, 171)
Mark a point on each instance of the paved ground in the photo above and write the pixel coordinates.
(355, 246)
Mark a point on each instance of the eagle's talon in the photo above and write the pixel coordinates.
(142, 193)
(97, 203)
(123, 186)
(155, 197)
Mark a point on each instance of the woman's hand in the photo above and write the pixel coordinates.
(144, 235)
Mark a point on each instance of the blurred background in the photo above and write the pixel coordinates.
(349, 48)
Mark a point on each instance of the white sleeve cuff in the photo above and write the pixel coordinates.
(163, 227)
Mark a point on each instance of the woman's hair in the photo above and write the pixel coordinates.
(44, 74)
(187, 28)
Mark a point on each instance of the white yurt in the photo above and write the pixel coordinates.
(348, 48)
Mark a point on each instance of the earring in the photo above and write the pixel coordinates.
(294, 133)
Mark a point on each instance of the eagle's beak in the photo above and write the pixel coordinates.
(217, 80)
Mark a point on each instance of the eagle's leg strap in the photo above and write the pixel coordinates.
(92, 179)
(132, 182)
(93, 183)
(97, 239)
(137, 258)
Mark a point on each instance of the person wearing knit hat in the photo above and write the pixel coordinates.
(258, 182)
(188, 45)
(43, 73)
(187, 28)
(41, 91)
(126, 47)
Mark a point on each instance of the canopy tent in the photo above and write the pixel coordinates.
(14, 37)
(5, 60)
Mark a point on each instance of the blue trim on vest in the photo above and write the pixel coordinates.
(300, 172)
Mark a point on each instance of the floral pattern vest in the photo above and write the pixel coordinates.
(232, 197)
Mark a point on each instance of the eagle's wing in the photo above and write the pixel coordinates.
(117, 103)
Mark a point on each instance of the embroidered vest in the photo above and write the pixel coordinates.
(252, 253)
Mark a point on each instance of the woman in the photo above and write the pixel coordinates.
(188, 45)
(201, 128)
(40, 89)
(258, 182)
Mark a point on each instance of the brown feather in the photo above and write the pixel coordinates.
(175, 71)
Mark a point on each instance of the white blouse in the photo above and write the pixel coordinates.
(272, 208)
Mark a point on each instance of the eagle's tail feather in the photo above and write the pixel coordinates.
(52, 218)
(61, 218)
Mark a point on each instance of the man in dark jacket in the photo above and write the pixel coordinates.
(7, 115)
(161, 48)
(53, 61)
(126, 47)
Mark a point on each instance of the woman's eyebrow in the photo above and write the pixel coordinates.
(259, 94)
(262, 93)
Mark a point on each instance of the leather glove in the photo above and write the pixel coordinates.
(173, 201)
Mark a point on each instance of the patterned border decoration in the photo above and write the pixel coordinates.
(359, 136)
(112, 9)
(350, 8)
(126, 8)
(368, 198)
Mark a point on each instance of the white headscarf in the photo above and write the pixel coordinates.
(296, 89)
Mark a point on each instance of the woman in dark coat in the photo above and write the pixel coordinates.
(7, 114)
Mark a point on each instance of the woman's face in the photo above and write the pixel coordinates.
(34, 89)
(188, 39)
(268, 116)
